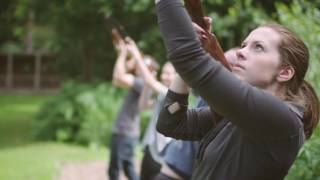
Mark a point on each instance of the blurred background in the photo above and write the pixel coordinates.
(57, 104)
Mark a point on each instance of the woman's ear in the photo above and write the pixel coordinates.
(285, 74)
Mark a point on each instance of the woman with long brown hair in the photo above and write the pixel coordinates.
(268, 108)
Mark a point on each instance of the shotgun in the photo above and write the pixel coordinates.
(120, 33)
(195, 10)
(114, 23)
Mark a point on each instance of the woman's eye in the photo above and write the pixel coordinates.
(242, 46)
(259, 47)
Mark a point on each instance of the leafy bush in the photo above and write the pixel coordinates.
(307, 166)
(240, 17)
(304, 18)
(80, 113)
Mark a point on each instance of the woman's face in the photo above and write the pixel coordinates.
(167, 74)
(131, 65)
(258, 59)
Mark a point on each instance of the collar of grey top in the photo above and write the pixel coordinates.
(157, 1)
(296, 109)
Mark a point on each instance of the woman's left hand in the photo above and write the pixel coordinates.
(133, 49)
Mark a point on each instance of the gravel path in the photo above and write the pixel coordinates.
(92, 170)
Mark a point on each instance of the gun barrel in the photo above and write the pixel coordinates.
(112, 21)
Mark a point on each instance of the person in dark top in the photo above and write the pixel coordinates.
(126, 130)
(267, 108)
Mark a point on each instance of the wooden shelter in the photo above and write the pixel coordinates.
(35, 72)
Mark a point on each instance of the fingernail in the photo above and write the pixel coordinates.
(204, 37)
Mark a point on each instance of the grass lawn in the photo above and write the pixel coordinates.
(21, 157)
(42, 161)
(16, 115)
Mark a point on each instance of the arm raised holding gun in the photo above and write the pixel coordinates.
(211, 44)
(118, 32)
(209, 41)
(268, 108)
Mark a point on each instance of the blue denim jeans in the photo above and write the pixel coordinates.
(122, 157)
(179, 156)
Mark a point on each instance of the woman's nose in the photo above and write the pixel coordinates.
(240, 54)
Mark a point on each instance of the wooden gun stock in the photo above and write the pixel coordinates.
(195, 11)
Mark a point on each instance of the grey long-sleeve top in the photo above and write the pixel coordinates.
(260, 135)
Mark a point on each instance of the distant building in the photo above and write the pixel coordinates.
(28, 72)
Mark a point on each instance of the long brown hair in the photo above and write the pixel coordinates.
(295, 53)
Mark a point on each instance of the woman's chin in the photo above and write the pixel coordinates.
(237, 75)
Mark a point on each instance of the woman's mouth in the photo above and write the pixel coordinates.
(237, 66)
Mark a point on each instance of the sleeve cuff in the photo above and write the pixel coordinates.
(177, 97)
(176, 102)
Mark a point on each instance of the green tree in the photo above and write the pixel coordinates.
(8, 22)
(79, 36)
(304, 18)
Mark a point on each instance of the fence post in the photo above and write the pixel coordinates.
(9, 73)
(37, 73)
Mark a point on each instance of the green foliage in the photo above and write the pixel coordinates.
(233, 19)
(304, 18)
(11, 47)
(82, 39)
(76, 31)
(145, 119)
(8, 22)
(307, 166)
(80, 113)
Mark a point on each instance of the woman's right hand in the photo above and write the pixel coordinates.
(133, 49)
(203, 33)
(118, 42)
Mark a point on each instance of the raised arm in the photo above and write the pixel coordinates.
(148, 77)
(120, 75)
(251, 109)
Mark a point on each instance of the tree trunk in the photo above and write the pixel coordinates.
(29, 37)
(87, 65)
